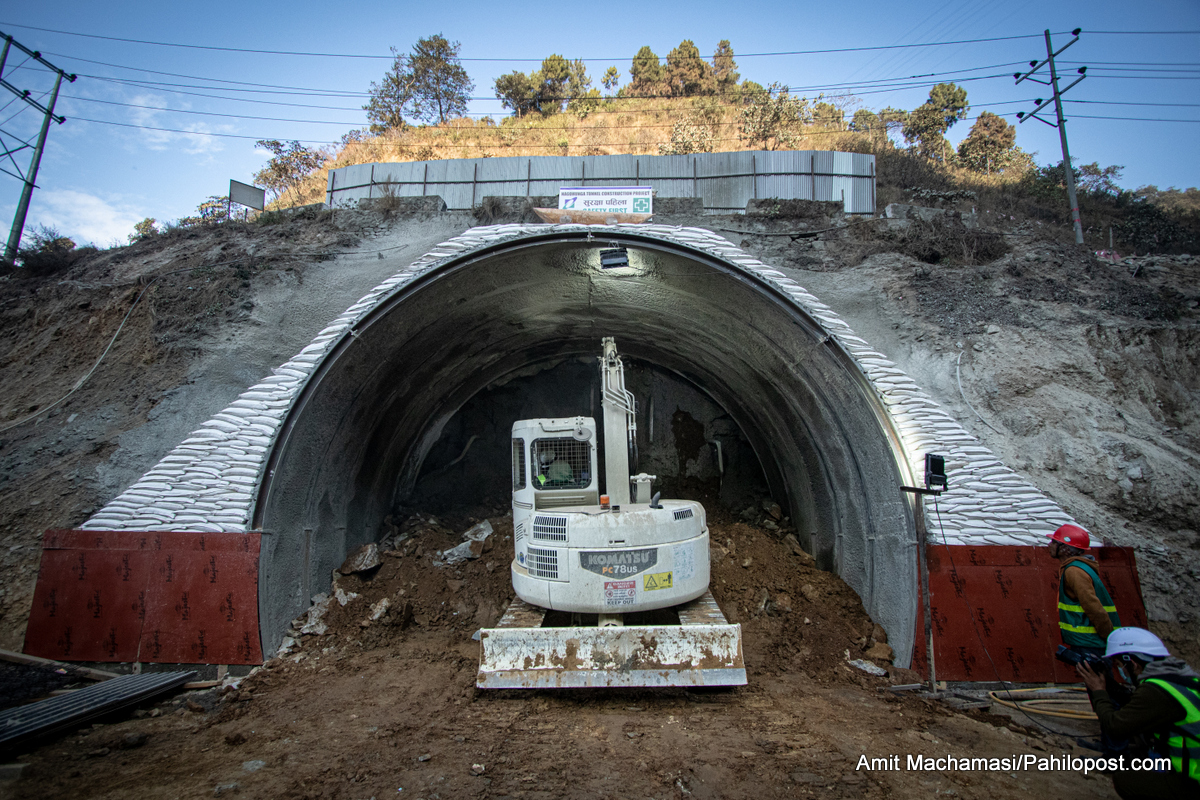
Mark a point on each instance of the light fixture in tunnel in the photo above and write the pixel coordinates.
(616, 257)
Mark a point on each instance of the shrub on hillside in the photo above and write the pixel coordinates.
(50, 252)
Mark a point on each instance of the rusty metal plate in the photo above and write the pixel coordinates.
(995, 611)
(165, 597)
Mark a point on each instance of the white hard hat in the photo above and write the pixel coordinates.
(1136, 641)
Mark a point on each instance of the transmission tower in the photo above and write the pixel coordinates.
(28, 177)
(1034, 66)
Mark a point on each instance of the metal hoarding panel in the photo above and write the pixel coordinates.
(724, 181)
(995, 611)
(501, 177)
(404, 179)
(163, 597)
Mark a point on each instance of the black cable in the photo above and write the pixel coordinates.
(508, 60)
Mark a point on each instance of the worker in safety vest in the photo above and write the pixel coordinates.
(1086, 613)
(1164, 711)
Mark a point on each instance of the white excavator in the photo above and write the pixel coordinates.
(629, 570)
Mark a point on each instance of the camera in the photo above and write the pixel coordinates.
(1074, 658)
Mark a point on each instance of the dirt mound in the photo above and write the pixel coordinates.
(794, 617)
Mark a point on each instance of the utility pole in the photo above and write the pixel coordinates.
(1061, 124)
(30, 177)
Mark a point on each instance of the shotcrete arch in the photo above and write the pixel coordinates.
(355, 437)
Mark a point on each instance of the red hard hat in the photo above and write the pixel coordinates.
(1072, 535)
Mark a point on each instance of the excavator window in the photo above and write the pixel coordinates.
(561, 464)
(518, 464)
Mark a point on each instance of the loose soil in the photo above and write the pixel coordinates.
(389, 708)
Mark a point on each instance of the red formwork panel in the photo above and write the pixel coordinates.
(165, 597)
(995, 611)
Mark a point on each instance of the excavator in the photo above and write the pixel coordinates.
(612, 588)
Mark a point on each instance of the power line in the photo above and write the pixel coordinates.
(481, 146)
(549, 127)
(509, 60)
(1121, 103)
(1133, 119)
(1144, 33)
(177, 74)
(212, 113)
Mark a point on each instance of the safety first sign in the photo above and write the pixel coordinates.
(607, 199)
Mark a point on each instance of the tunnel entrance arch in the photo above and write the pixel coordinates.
(355, 438)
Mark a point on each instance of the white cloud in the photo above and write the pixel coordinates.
(82, 217)
(194, 142)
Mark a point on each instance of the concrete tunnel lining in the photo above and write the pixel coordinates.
(355, 439)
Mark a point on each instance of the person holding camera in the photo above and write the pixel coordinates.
(1163, 712)
(1086, 612)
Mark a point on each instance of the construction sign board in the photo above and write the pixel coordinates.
(607, 199)
(247, 195)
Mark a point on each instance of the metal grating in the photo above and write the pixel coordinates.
(47, 716)
(561, 464)
(542, 563)
(519, 532)
(683, 513)
(550, 529)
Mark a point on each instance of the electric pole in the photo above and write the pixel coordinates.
(30, 176)
(1061, 124)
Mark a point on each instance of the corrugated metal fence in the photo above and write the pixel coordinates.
(725, 181)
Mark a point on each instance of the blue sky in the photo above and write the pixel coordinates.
(98, 178)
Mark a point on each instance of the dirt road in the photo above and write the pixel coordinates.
(389, 708)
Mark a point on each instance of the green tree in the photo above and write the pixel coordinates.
(989, 144)
(559, 82)
(611, 79)
(290, 163)
(724, 68)
(143, 230)
(924, 130)
(865, 121)
(927, 124)
(773, 118)
(647, 77)
(428, 85)
(828, 115)
(1097, 180)
(47, 252)
(1176, 201)
(582, 99)
(893, 120)
(692, 134)
(517, 91)
(687, 73)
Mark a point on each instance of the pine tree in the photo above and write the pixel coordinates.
(428, 85)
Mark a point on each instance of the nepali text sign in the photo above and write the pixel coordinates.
(607, 199)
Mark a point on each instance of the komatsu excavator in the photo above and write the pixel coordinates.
(629, 570)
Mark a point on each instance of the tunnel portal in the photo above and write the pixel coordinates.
(355, 439)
